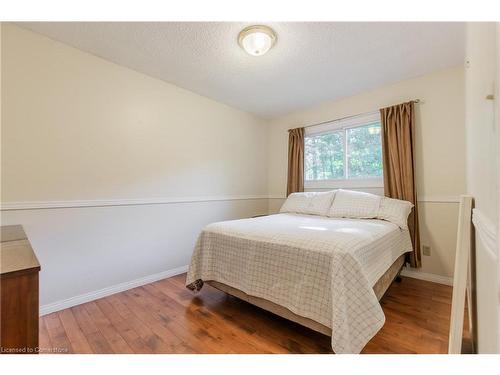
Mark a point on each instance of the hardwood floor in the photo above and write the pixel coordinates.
(165, 317)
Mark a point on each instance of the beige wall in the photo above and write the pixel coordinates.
(79, 127)
(79, 130)
(439, 152)
(482, 148)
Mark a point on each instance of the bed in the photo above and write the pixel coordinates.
(325, 273)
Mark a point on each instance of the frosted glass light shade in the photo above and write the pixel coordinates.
(257, 40)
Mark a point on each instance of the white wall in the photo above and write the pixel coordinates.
(482, 135)
(439, 154)
(84, 250)
(80, 131)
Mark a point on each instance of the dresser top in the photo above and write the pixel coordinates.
(16, 254)
(12, 233)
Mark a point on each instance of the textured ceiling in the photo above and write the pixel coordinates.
(311, 62)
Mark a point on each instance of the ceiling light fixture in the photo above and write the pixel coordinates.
(257, 40)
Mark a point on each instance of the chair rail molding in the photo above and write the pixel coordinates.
(424, 199)
(37, 205)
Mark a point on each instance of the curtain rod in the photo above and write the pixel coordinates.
(416, 101)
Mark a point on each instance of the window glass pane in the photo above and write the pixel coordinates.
(324, 156)
(364, 147)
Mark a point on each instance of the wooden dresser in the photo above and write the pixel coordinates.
(19, 269)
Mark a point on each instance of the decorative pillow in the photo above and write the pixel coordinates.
(311, 203)
(355, 204)
(395, 210)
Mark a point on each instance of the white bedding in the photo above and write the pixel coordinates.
(318, 267)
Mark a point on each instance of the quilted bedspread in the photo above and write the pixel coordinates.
(317, 267)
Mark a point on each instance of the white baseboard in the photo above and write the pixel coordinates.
(427, 276)
(91, 296)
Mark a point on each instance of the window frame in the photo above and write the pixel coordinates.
(344, 125)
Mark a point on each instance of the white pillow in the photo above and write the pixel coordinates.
(355, 204)
(395, 210)
(311, 203)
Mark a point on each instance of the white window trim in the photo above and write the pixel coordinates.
(351, 183)
(344, 124)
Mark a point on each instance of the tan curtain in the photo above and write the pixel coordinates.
(295, 180)
(398, 148)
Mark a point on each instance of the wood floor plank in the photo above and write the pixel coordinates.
(158, 340)
(206, 324)
(75, 334)
(58, 337)
(96, 340)
(165, 317)
(129, 334)
(289, 339)
(187, 338)
(243, 319)
(110, 333)
(132, 321)
(44, 340)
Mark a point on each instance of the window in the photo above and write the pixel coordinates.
(344, 153)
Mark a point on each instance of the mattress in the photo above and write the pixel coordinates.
(319, 268)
